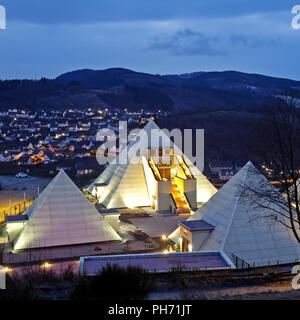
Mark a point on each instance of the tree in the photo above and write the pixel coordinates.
(278, 145)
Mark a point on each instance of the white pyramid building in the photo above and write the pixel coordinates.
(125, 184)
(62, 216)
(237, 230)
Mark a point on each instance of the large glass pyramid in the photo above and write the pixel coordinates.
(62, 216)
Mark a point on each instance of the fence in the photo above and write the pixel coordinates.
(240, 263)
(16, 209)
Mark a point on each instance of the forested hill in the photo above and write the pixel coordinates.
(228, 90)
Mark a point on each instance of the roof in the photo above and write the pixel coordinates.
(109, 211)
(220, 164)
(197, 225)
(19, 218)
(100, 184)
(225, 172)
(244, 230)
(61, 216)
(157, 262)
(126, 183)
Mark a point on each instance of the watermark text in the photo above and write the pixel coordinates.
(295, 280)
(153, 144)
(296, 19)
(2, 278)
(2, 17)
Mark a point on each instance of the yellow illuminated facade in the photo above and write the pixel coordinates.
(158, 177)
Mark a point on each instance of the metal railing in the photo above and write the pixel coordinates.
(187, 200)
(16, 210)
(174, 203)
(240, 263)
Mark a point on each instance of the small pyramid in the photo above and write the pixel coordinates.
(237, 229)
(62, 216)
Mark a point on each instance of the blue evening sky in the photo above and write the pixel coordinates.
(49, 37)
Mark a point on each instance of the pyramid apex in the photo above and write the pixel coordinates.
(243, 173)
(150, 123)
(62, 172)
(247, 166)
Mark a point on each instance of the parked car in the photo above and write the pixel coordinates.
(21, 175)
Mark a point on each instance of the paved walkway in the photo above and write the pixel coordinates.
(158, 225)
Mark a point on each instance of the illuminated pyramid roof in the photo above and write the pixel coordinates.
(245, 231)
(126, 183)
(61, 216)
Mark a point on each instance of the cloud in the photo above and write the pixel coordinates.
(252, 41)
(187, 42)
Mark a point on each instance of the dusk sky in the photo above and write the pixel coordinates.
(50, 37)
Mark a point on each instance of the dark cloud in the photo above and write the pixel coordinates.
(92, 11)
(253, 41)
(187, 42)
